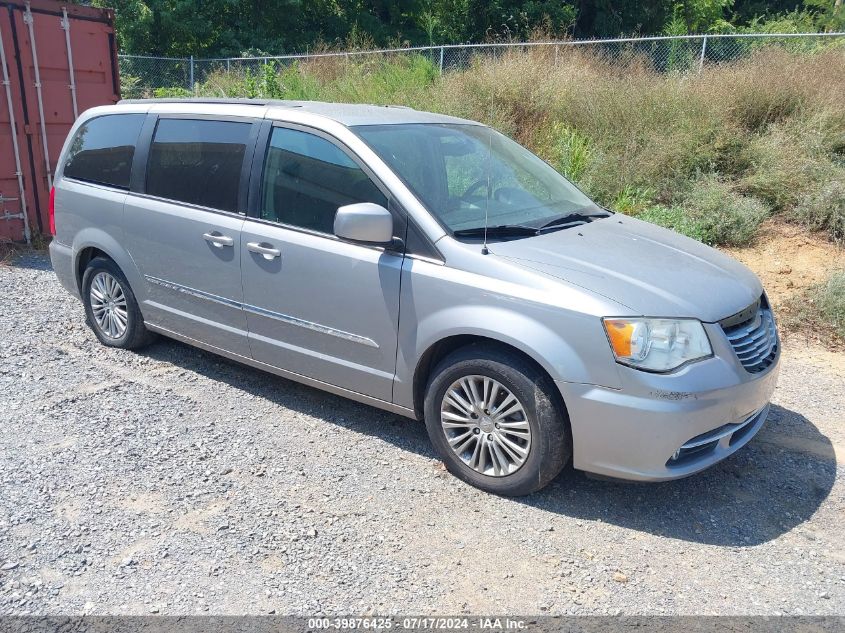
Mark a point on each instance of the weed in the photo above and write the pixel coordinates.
(171, 93)
(821, 309)
(824, 208)
(634, 200)
(572, 152)
(723, 216)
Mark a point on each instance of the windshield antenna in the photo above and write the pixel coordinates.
(484, 249)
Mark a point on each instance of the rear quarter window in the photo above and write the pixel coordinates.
(103, 148)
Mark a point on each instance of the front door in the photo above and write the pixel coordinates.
(183, 229)
(316, 305)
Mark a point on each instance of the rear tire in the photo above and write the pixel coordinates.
(496, 420)
(111, 308)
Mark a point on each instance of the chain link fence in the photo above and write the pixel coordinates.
(143, 76)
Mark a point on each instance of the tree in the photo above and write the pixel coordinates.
(829, 14)
(514, 19)
(230, 27)
(610, 18)
(703, 16)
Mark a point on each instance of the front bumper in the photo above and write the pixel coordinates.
(699, 415)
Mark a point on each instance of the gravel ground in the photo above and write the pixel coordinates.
(172, 481)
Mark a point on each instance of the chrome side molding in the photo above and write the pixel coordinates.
(309, 325)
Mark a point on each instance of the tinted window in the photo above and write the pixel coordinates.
(306, 178)
(103, 148)
(198, 162)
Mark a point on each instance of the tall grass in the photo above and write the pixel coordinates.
(711, 154)
(821, 308)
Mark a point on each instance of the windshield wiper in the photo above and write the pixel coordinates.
(516, 230)
(501, 230)
(573, 217)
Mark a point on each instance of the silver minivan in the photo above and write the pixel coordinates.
(422, 264)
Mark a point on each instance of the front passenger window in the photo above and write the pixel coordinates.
(306, 178)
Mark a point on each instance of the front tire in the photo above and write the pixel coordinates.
(111, 308)
(496, 421)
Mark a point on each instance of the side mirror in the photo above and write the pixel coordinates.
(364, 222)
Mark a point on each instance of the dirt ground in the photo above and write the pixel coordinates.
(789, 260)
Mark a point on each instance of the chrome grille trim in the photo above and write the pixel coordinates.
(754, 338)
(717, 434)
(723, 439)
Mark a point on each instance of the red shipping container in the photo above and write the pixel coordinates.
(57, 61)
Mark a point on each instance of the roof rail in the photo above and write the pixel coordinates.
(220, 100)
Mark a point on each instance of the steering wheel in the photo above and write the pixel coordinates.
(472, 188)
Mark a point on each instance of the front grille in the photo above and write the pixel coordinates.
(753, 337)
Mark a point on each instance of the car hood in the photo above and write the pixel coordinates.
(651, 270)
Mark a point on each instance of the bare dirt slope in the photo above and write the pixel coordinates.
(789, 260)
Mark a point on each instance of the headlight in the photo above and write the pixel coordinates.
(657, 344)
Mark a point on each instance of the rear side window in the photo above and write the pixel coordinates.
(198, 161)
(102, 150)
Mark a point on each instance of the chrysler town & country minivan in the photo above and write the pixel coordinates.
(423, 264)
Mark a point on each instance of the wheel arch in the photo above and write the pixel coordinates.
(95, 242)
(83, 258)
(440, 349)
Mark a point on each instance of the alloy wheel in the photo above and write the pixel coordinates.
(485, 425)
(108, 304)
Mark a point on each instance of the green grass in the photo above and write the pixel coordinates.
(380, 80)
(674, 218)
(568, 150)
(634, 200)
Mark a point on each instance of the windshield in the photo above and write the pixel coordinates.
(470, 175)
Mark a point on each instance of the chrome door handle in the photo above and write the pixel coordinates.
(217, 239)
(267, 251)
